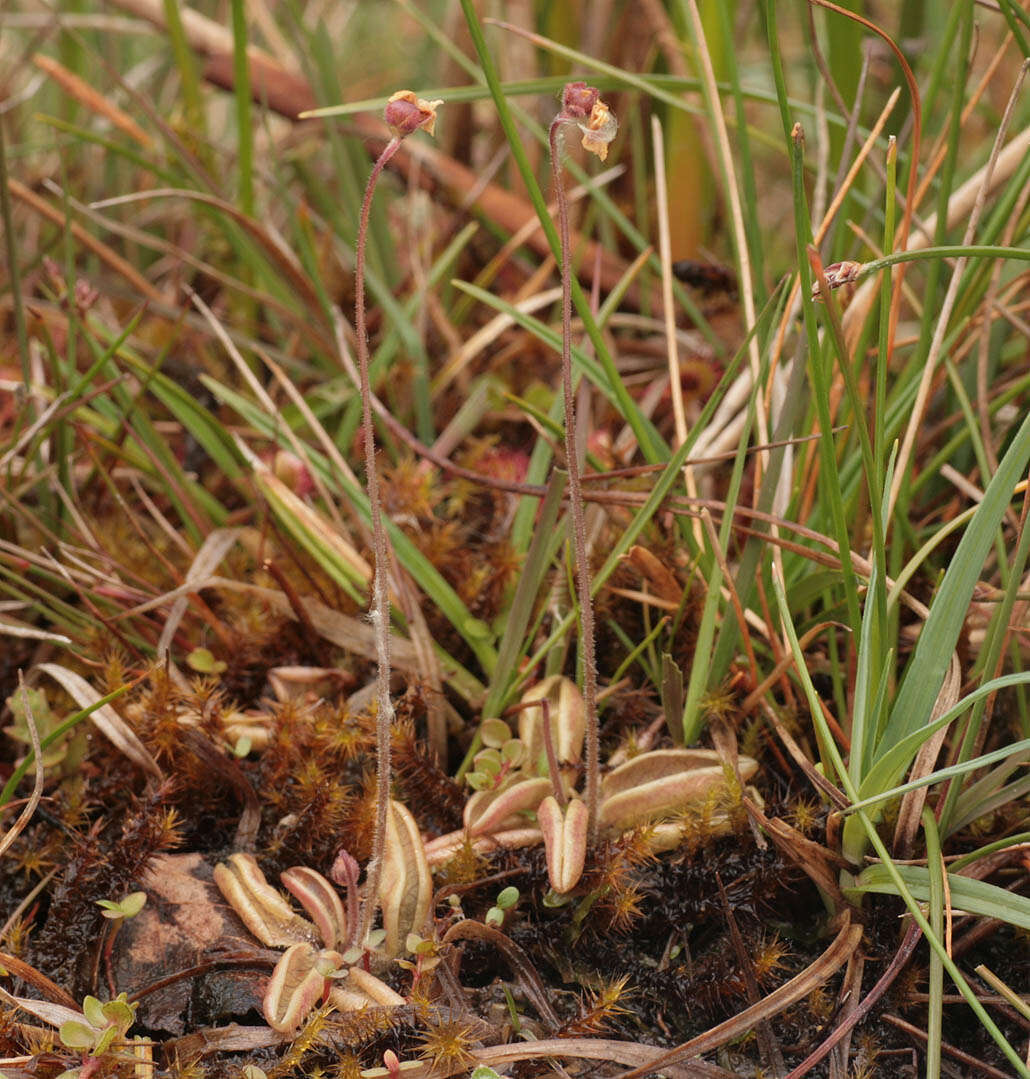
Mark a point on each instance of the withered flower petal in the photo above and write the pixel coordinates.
(599, 130)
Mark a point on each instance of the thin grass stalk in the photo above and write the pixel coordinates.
(710, 90)
(14, 273)
(665, 256)
(935, 319)
(828, 475)
(747, 169)
(1009, 12)
(935, 988)
(244, 128)
(189, 77)
(888, 624)
(917, 135)
(966, 251)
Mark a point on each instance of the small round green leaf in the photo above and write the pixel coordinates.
(479, 781)
(508, 897)
(76, 1035)
(494, 732)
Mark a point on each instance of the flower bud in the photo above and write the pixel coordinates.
(578, 99)
(345, 870)
(406, 113)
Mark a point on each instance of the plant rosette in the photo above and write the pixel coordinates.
(318, 952)
(536, 802)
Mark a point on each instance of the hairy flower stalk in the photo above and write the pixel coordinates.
(404, 114)
(581, 105)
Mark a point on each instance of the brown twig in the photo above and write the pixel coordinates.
(969, 1061)
(894, 968)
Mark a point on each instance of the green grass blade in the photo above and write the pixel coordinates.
(976, 896)
(244, 125)
(924, 674)
(538, 557)
(935, 1005)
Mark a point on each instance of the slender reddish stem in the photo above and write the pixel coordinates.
(379, 609)
(579, 531)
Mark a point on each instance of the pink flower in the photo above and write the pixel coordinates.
(406, 113)
(578, 99)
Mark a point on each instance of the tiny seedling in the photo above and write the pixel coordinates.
(505, 901)
(202, 661)
(129, 907)
(103, 1024)
(483, 1072)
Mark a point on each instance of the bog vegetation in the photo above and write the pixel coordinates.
(549, 491)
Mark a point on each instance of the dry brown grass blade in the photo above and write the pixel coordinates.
(467, 929)
(602, 1049)
(214, 548)
(92, 99)
(655, 571)
(20, 969)
(643, 1056)
(819, 863)
(812, 977)
(105, 718)
(82, 236)
(975, 1065)
(232, 1038)
(912, 803)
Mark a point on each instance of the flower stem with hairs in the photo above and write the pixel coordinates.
(404, 114)
(581, 105)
